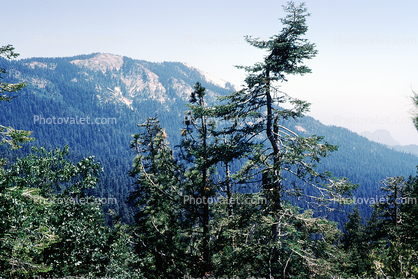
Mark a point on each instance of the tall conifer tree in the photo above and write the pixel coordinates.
(282, 163)
(271, 240)
(259, 108)
(160, 223)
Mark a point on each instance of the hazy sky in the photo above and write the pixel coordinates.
(362, 77)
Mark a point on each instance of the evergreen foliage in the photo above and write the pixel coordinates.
(10, 135)
(157, 197)
(392, 246)
(49, 226)
(65, 98)
(270, 240)
(235, 192)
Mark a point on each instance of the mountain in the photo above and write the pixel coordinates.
(129, 80)
(410, 148)
(93, 103)
(381, 136)
(384, 137)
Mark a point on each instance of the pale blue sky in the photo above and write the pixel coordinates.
(362, 77)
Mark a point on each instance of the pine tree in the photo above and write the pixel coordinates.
(44, 231)
(190, 186)
(9, 135)
(278, 154)
(408, 209)
(355, 241)
(392, 250)
(123, 261)
(273, 239)
(162, 230)
(281, 153)
(205, 146)
(197, 152)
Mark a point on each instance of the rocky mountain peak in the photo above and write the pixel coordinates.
(381, 136)
(101, 62)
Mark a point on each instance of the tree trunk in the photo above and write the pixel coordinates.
(276, 195)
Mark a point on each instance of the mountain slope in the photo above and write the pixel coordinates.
(120, 92)
(410, 148)
(381, 136)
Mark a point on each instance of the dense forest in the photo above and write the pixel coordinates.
(193, 179)
(63, 98)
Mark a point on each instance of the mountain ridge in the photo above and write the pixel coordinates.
(132, 91)
(384, 137)
(136, 78)
(381, 136)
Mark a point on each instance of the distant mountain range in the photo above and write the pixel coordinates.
(381, 136)
(120, 92)
(384, 137)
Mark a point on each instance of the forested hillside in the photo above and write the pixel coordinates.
(63, 89)
(58, 88)
(159, 170)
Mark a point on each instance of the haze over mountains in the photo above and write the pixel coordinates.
(384, 137)
(116, 93)
(380, 136)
